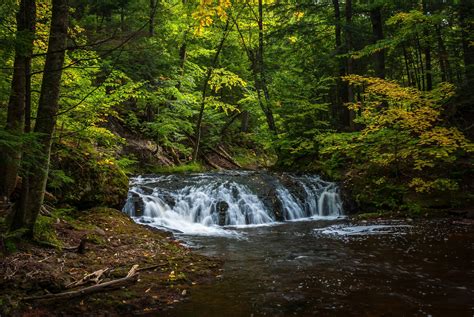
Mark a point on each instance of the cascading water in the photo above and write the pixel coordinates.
(203, 203)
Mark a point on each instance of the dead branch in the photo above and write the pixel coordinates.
(131, 278)
(93, 277)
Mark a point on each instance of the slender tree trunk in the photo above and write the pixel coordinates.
(407, 67)
(151, 27)
(415, 70)
(198, 132)
(443, 56)
(244, 121)
(182, 61)
(122, 18)
(341, 87)
(10, 157)
(349, 114)
(419, 59)
(427, 51)
(37, 174)
(261, 70)
(429, 76)
(377, 30)
(256, 63)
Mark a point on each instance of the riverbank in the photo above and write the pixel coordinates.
(109, 243)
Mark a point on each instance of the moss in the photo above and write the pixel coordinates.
(195, 167)
(45, 232)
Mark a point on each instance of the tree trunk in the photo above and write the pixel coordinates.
(37, 174)
(407, 67)
(261, 70)
(419, 58)
(198, 131)
(257, 67)
(427, 51)
(151, 27)
(341, 87)
(443, 56)
(349, 114)
(377, 30)
(429, 76)
(10, 156)
(182, 61)
(244, 121)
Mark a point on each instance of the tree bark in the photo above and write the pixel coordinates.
(10, 156)
(37, 174)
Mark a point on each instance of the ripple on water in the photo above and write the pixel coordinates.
(363, 230)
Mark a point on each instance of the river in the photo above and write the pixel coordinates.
(320, 264)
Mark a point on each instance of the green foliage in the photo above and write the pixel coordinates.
(58, 178)
(403, 146)
(94, 176)
(125, 87)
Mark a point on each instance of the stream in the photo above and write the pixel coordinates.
(290, 251)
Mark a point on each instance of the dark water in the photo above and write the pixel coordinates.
(294, 269)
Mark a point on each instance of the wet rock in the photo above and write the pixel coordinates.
(221, 208)
(349, 204)
(169, 200)
(138, 205)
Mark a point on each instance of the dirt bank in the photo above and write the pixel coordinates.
(166, 270)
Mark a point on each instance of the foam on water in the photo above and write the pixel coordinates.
(210, 204)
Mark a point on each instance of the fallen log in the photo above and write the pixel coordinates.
(131, 278)
(225, 156)
(217, 167)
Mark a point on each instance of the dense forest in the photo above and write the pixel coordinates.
(375, 95)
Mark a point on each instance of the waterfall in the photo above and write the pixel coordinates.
(202, 203)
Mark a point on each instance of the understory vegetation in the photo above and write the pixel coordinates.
(375, 95)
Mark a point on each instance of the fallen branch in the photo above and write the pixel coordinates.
(131, 278)
(93, 277)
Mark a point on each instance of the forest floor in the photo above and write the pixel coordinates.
(166, 269)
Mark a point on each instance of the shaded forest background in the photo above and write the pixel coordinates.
(374, 94)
